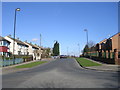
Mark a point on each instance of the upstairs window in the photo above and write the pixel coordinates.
(0, 43)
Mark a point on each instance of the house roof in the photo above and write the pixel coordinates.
(39, 47)
(34, 46)
(102, 41)
(3, 39)
(115, 34)
(18, 41)
(109, 37)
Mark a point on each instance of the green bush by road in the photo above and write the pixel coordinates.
(86, 63)
(29, 65)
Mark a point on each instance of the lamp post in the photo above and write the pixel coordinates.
(87, 38)
(17, 9)
(86, 34)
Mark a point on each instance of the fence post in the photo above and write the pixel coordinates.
(109, 54)
(117, 60)
(100, 53)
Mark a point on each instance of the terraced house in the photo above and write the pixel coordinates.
(114, 42)
(112, 45)
(107, 50)
(34, 50)
(20, 47)
(4, 47)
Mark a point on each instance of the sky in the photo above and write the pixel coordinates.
(61, 21)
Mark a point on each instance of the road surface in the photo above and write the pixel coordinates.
(61, 73)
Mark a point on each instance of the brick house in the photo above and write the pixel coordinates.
(114, 43)
(107, 50)
(115, 40)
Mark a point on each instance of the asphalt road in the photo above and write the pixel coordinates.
(62, 73)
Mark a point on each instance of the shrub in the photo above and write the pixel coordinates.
(25, 57)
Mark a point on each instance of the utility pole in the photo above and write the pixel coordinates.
(78, 49)
(40, 40)
(67, 51)
(87, 38)
(40, 46)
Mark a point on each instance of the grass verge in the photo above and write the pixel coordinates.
(29, 65)
(86, 63)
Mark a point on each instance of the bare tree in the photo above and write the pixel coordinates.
(91, 44)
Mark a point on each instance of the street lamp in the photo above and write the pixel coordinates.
(17, 9)
(87, 38)
(86, 34)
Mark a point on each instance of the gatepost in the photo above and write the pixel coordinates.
(117, 60)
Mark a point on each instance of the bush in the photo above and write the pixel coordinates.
(25, 57)
(8, 58)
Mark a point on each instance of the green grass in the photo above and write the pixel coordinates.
(29, 65)
(86, 63)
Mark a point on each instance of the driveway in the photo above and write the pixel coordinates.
(61, 73)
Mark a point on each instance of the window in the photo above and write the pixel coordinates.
(37, 54)
(0, 43)
(4, 43)
(19, 52)
(0, 53)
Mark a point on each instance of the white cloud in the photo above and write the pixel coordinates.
(34, 39)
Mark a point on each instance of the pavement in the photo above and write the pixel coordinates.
(11, 69)
(60, 73)
(104, 67)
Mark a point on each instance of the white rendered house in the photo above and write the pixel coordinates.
(34, 50)
(20, 48)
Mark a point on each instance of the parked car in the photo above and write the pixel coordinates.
(55, 57)
(63, 56)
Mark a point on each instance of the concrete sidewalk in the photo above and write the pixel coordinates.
(115, 68)
(11, 69)
(104, 67)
